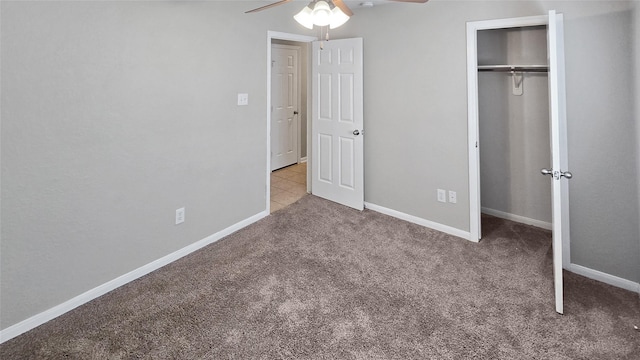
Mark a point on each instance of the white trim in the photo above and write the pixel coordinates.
(518, 218)
(280, 36)
(303, 159)
(291, 37)
(510, 22)
(473, 133)
(420, 221)
(41, 318)
(605, 278)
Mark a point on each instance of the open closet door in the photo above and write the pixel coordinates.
(337, 172)
(559, 173)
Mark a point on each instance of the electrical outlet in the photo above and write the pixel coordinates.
(179, 216)
(452, 197)
(243, 99)
(442, 195)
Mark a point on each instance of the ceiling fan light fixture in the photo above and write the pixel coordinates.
(338, 18)
(322, 13)
(305, 17)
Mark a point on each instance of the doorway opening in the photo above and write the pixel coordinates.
(488, 49)
(288, 112)
(290, 135)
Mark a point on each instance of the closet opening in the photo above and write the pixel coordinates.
(513, 124)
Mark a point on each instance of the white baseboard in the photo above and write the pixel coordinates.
(420, 221)
(518, 218)
(43, 317)
(605, 278)
(303, 160)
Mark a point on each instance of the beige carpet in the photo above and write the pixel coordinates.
(318, 280)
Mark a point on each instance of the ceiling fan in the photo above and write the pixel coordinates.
(322, 12)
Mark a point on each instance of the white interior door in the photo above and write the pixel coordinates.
(284, 105)
(337, 119)
(559, 173)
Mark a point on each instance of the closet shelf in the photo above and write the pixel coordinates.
(515, 68)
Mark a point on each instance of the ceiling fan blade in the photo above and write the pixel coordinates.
(412, 1)
(268, 6)
(345, 9)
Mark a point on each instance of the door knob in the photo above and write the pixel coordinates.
(556, 174)
(295, 112)
(356, 132)
(546, 172)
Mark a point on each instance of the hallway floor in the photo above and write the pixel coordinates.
(288, 185)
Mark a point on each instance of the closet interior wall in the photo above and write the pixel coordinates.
(514, 129)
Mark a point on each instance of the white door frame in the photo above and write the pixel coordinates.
(290, 37)
(472, 116)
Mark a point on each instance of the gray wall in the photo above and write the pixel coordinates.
(514, 129)
(602, 143)
(636, 60)
(114, 114)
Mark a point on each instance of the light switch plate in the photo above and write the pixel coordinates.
(179, 216)
(243, 99)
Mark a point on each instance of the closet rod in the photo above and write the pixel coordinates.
(514, 68)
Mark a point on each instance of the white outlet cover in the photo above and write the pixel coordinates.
(452, 197)
(243, 99)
